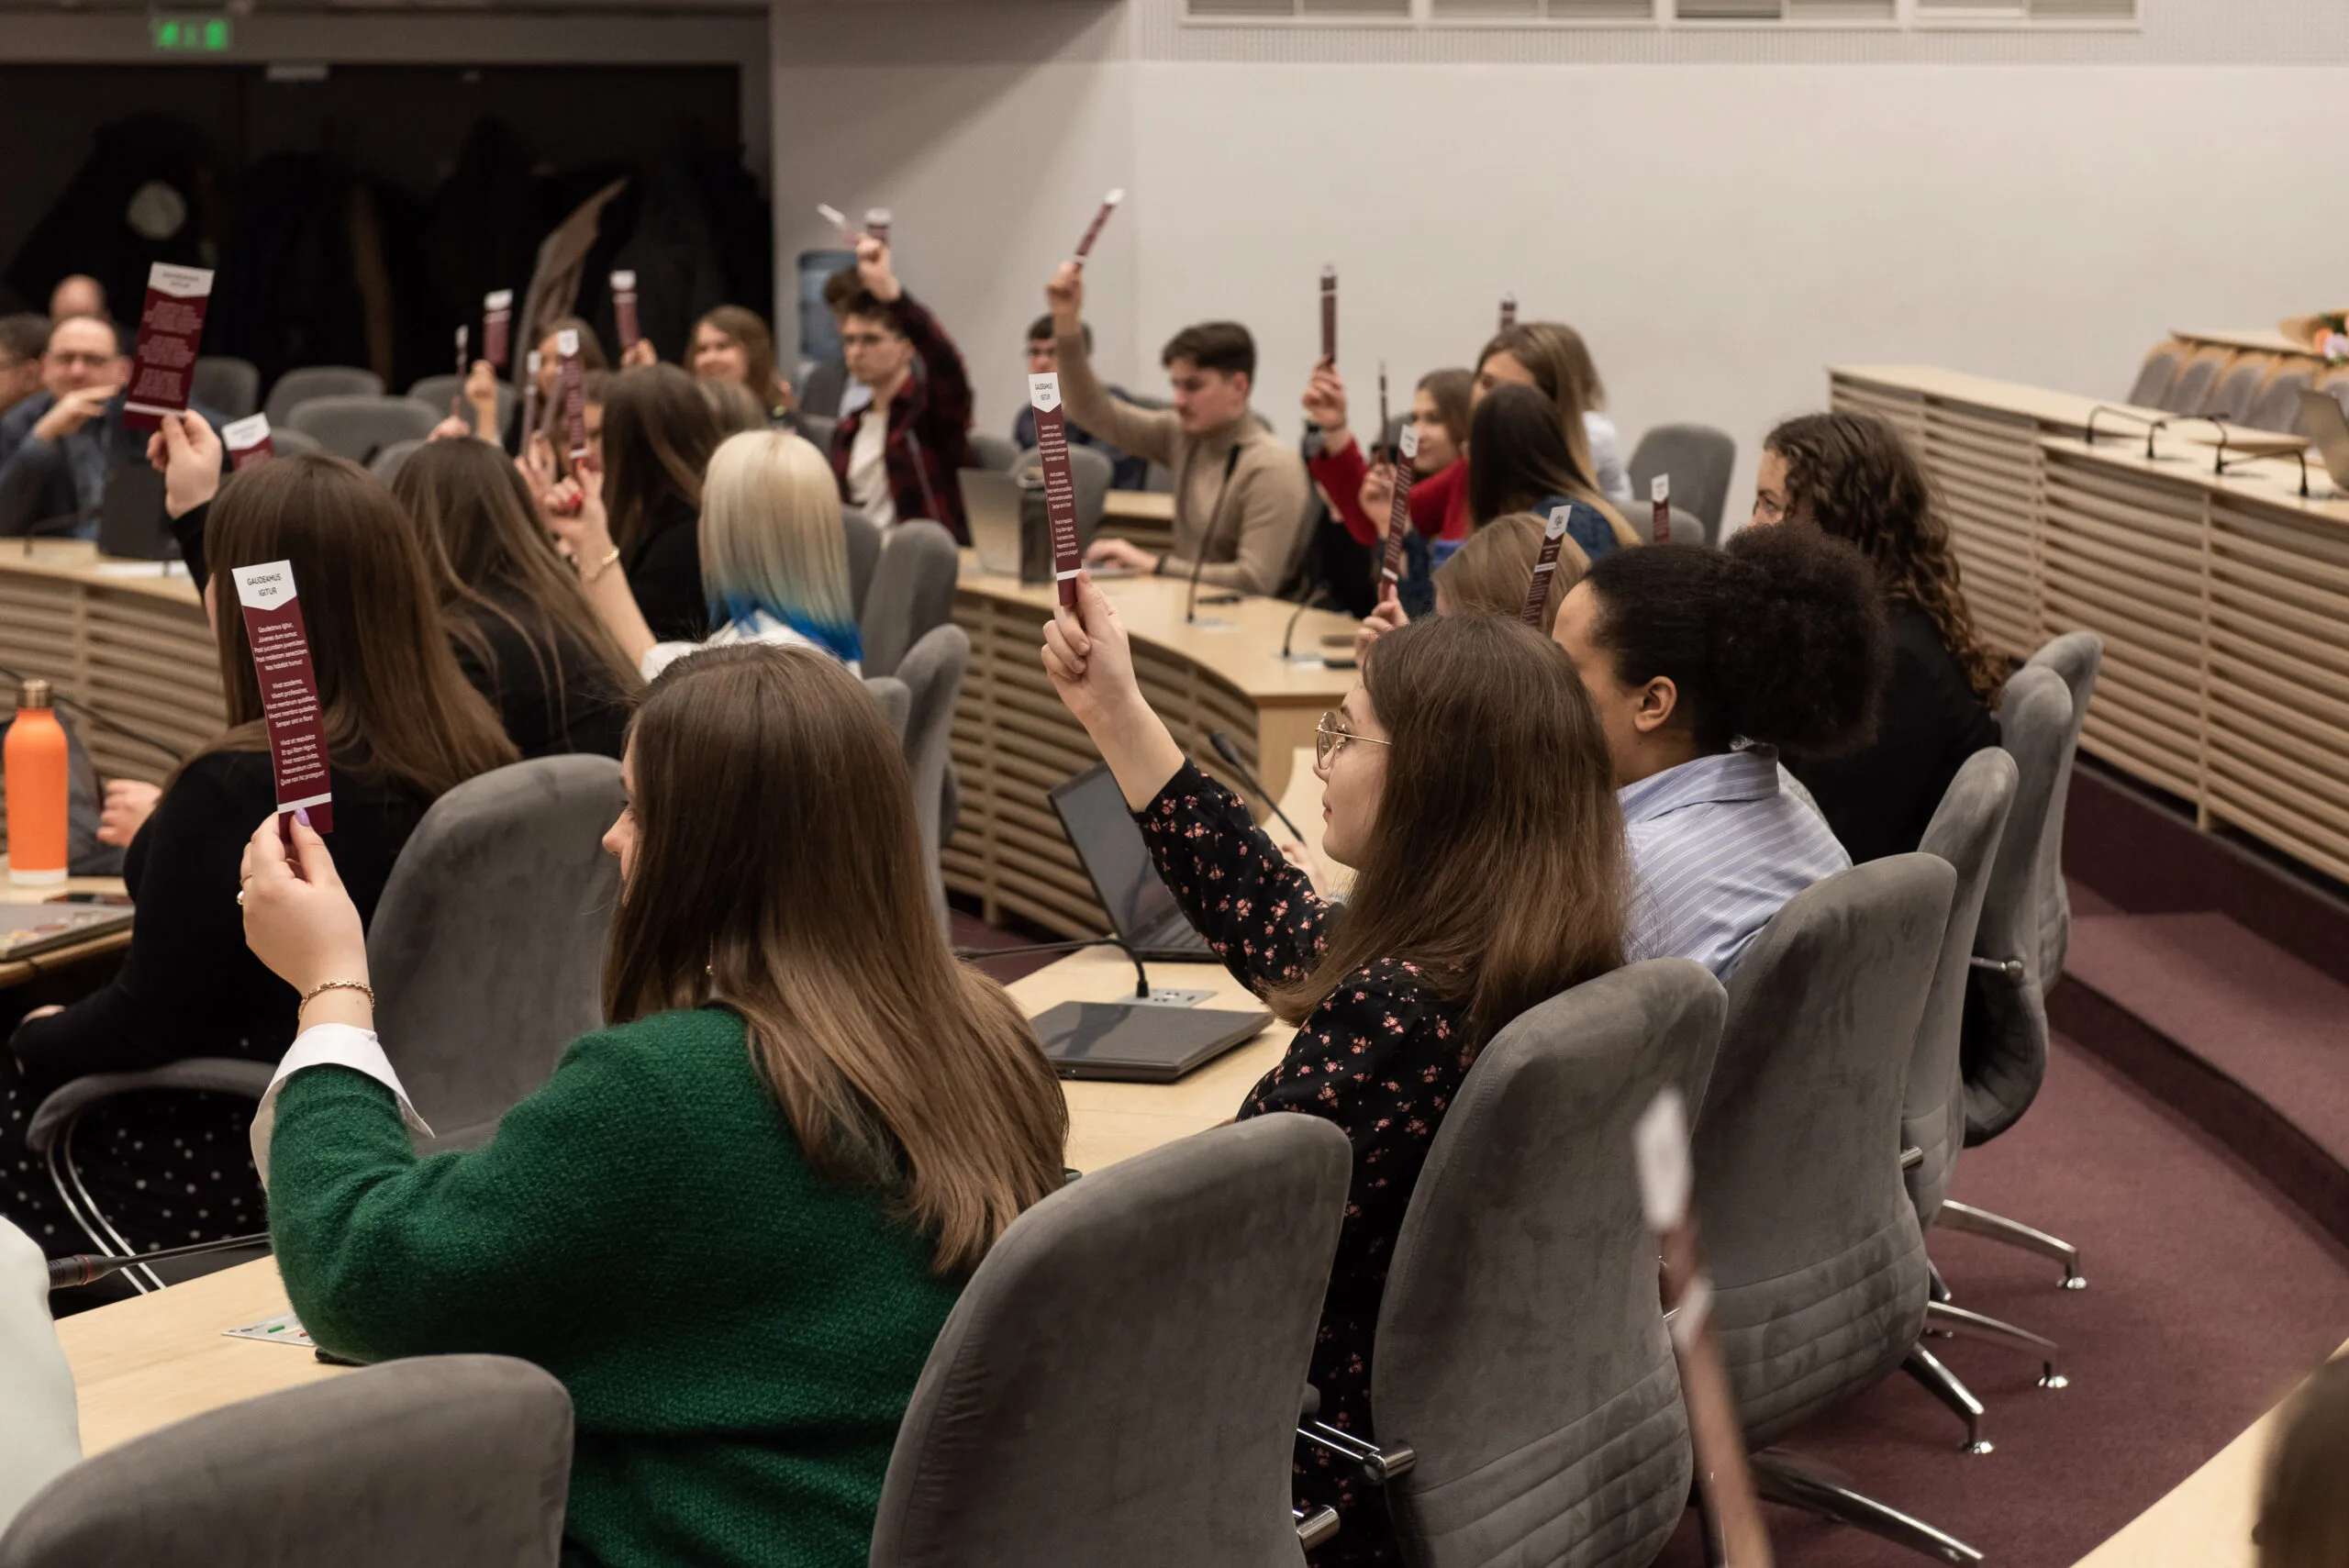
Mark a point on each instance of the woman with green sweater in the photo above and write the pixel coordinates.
(732, 1222)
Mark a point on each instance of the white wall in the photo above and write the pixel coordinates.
(1720, 231)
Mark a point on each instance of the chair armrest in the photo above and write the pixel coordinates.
(223, 1074)
(1315, 1527)
(2013, 969)
(1379, 1465)
(1911, 1158)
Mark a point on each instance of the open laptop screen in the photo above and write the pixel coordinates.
(1092, 811)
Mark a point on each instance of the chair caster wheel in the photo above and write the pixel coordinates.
(1979, 1445)
(2055, 1380)
(2072, 1282)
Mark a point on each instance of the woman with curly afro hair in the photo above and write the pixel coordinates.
(1852, 476)
(1704, 664)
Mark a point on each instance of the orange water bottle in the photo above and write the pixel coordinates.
(35, 761)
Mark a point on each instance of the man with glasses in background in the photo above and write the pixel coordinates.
(58, 446)
(896, 454)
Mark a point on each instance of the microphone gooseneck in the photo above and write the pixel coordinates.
(84, 1267)
(1288, 633)
(1207, 536)
(1221, 741)
(1141, 976)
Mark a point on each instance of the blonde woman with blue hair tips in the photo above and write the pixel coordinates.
(773, 559)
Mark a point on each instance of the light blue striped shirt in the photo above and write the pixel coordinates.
(1716, 850)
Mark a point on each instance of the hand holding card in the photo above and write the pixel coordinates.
(171, 328)
(1060, 482)
(280, 645)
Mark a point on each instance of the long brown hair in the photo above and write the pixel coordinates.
(2303, 1508)
(1450, 391)
(658, 435)
(778, 875)
(1557, 358)
(1517, 455)
(1497, 867)
(1493, 569)
(1855, 477)
(487, 554)
(747, 327)
(393, 703)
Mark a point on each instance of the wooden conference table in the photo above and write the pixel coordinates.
(2220, 597)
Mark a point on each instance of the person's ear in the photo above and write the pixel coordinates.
(1244, 383)
(1658, 700)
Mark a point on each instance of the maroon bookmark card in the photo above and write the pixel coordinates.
(169, 327)
(1330, 315)
(571, 393)
(529, 399)
(876, 223)
(624, 310)
(1508, 311)
(289, 690)
(247, 441)
(839, 220)
(1733, 1515)
(1398, 516)
(496, 327)
(1093, 230)
(1660, 496)
(1545, 566)
(1060, 485)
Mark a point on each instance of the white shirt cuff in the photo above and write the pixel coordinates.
(329, 1045)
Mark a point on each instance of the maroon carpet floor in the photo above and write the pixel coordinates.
(2207, 1297)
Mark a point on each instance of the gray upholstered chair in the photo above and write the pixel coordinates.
(819, 429)
(2078, 657)
(439, 393)
(896, 702)
(2155, 376)
(230, 387)
(2003, 1056)
(999, 453)
(296, 387)
(1119, 1382)
(289, 441)
(487, 949)
(912, 592)
(1964, 832)
(1090, 472)
(1817, 1265)
(864, 554)
(821, 389)
(2278, 407)
(1522, 1358)
(1700, 459)
(41, 1436)
(2191, 388)
(385, 464)
(2238, 387)
(461, 1461)
(359, 427)
(932, 672)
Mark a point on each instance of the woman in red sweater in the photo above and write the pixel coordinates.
(1440, 471)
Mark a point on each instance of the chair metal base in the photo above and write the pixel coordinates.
(85, 1213)
(1315, 1527)
(1778, 1478)
(1944, 1386)
(1949, 1319)
(1998, 1228)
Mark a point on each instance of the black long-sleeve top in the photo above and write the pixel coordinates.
(664, 574)
(1880, 798)
(189, 986)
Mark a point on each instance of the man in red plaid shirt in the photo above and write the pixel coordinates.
(895, 457)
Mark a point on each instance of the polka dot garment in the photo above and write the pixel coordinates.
(1382, 1058)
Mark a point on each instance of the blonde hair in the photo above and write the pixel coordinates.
(1493, 569)
(771, 538)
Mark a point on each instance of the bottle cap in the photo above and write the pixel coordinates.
(35, 694)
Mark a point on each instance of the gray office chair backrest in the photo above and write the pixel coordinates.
(912, 592)
(896, 702)
(1818, 1265)
(1687, 527)
(864, 554)
(1090, 471)
(359, 427)
(1521, 1353)
(2191, 389)
(290, 440)
(1700, 459)
(2155, 376)
(438, 393)
(999, 453)
(296, 387)
(2278, 407)
(461, 1461)
(2077, 656)
(385, 464)
(819, 429)
(230, 387)
(821, 389)
(932, 672)
(1121, 1381)
(488, 948)
(2236, 389)
(1964, 832)
(2004, 1054)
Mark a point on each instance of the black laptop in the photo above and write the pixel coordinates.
(1135, 1042)
(1141, 911)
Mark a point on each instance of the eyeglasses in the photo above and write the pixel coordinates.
(1331, 736)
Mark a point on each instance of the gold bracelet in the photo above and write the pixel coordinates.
(588, 574)
(314, 992)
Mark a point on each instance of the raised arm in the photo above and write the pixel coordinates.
(576, 514)
(1151, 433)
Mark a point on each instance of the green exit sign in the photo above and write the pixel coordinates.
(189, 34)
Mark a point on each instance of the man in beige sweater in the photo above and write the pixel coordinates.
(1238, 493)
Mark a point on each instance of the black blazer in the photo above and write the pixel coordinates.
(664, 574)
(585, 710)
(189, 986)
(1880, 798)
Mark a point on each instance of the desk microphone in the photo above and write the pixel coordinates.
(1221, 741)
(1288, 633)
(84, 1267)
(1141, 976)
(1207, 536)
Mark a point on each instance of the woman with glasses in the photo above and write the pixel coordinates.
(1465, 780)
